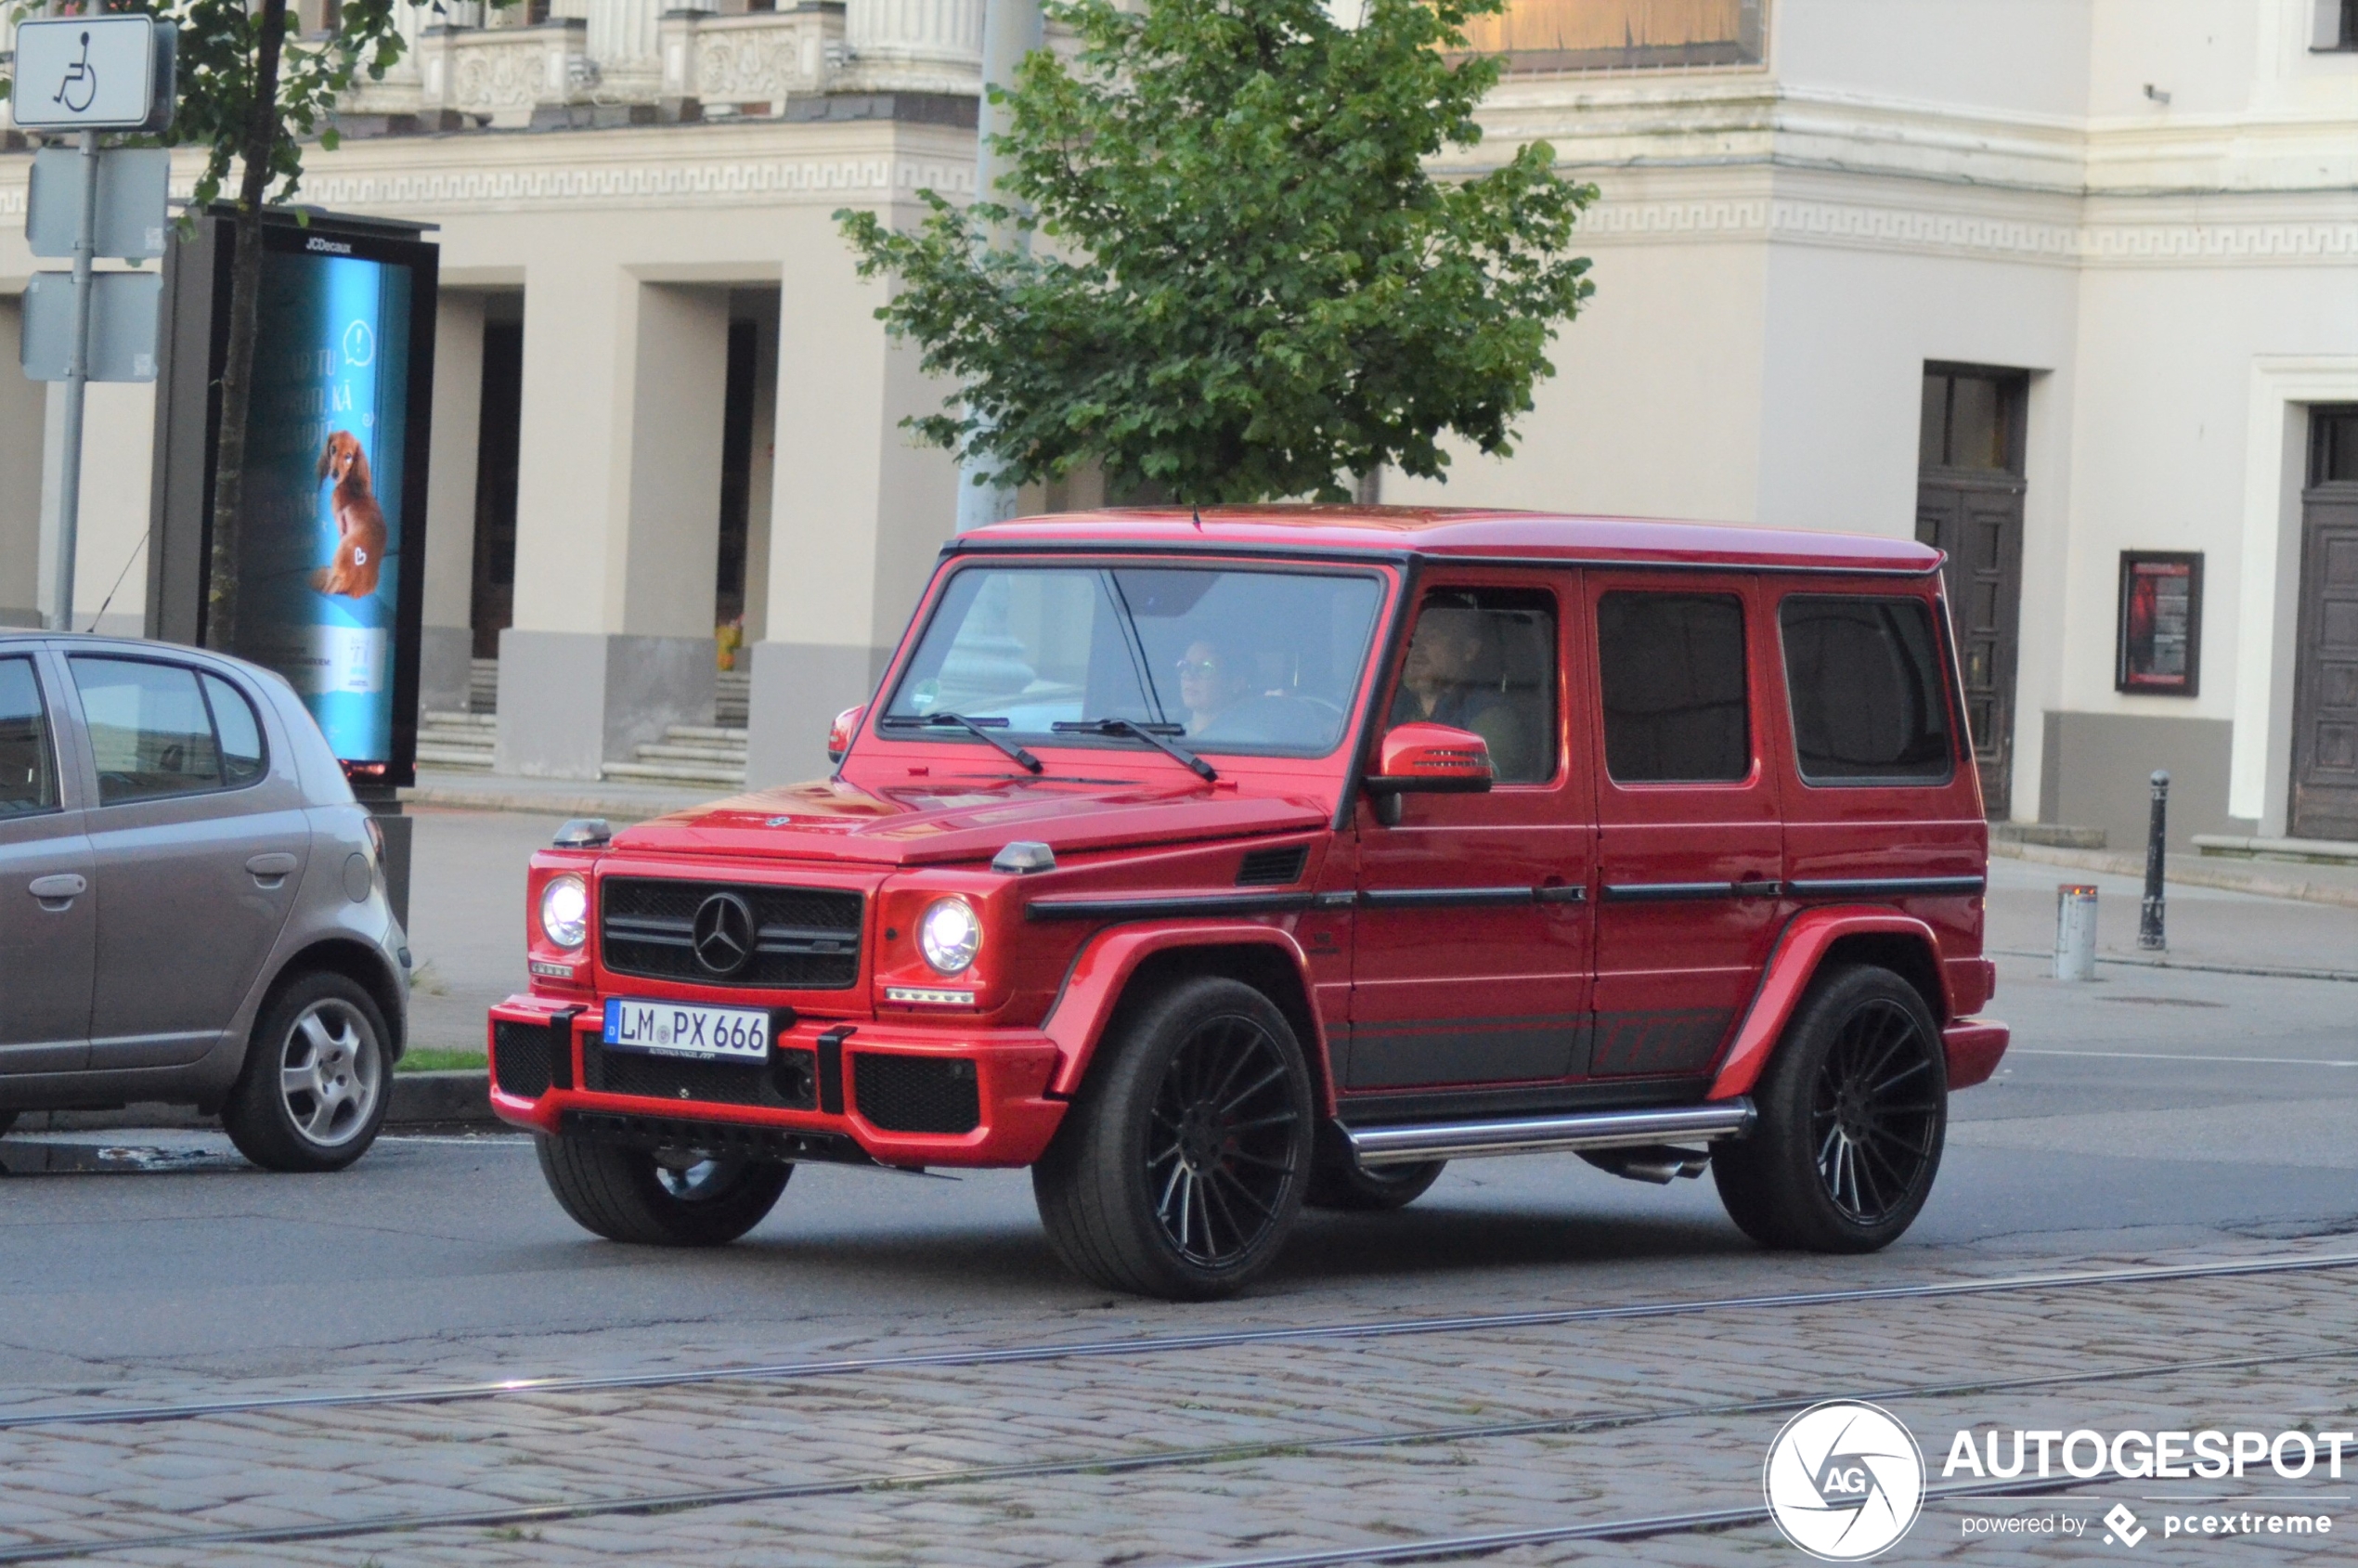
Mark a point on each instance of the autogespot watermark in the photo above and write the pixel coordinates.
(1846, 1480)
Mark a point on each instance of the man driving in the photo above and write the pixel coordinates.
(1440, 684)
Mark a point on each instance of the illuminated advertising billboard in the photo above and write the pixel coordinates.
(330, 545)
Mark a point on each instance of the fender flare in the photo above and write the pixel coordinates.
(1076, 1020)
(1793, 964)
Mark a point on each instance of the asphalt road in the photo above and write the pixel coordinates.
(2155, 1108)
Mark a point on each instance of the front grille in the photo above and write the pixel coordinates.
(787, 1084)
(915, 1094)
(806, 938)
(524, 1058)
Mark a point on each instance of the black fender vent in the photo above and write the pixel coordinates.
(1273, 868)
(787, 1084)
(526, 1058)
(915, 1094)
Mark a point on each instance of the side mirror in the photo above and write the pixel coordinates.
(839, 733)
(1427, 759)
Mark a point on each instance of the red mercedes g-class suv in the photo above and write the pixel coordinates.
(1214, 865)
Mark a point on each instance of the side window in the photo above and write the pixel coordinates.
(1863, 677)
(150, 732)
(1484, 659)
(28, 766)
(1672, 668)
(241, 733)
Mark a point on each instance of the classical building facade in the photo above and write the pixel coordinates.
(2069, 287)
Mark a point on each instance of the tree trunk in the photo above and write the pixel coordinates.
(245, 294)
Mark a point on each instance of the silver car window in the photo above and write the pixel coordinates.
(150, 733)
(233, 721)
(28, 769)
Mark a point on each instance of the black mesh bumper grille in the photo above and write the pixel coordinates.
(789, 1082)
(527, 1058)
(915, 1094)
(805, 939)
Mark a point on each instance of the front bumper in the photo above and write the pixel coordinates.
(1973, 1047)
(918, 1072)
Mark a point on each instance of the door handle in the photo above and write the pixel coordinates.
(271, 867)
(58, 884)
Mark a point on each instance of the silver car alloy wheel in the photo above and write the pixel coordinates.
(330, 1072)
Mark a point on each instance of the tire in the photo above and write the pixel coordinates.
(317, 1079)
(1181, 1167)
(1337, 1181)
(1854, 1111)
(650, 1200)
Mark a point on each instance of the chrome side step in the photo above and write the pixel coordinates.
(1376, 1146)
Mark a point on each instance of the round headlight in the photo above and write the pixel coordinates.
(565, 910)
(949, 936)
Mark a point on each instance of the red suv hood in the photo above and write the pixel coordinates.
(840, 822)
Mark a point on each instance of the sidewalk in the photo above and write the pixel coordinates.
(2273, 879)
(615, 799)
(2207, 928)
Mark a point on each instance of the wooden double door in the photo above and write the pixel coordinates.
(2324, 743)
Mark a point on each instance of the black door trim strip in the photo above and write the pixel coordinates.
(1664, 892)
(1443, 897)
(1884, 886)
(1157, 906)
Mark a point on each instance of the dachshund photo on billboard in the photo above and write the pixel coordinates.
(360, 522)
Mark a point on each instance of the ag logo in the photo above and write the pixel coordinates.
(1843, 1481)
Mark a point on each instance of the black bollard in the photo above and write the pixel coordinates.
(2149, 913)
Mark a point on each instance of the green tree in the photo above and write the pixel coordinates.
(1250, 284)
(252, 93)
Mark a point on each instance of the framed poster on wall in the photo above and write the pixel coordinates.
(2159, 647)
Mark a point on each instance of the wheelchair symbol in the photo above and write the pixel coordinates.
(80, 88)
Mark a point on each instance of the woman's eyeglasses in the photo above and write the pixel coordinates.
(1197, 666)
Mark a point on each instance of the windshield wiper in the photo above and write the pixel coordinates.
(978, 728)
(1151, 733)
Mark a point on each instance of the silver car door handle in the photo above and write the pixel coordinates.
(276, 863)
(59, 884)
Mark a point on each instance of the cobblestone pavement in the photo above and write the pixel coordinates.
(1650, 1418)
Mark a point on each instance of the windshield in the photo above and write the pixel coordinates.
(1242, 661)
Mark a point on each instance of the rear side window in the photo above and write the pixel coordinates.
(1672, 669)
(1863, 676)
(28, 772)
(154, 731)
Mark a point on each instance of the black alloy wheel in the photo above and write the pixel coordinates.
(1853, 1116)
(1182, 1162)
(1875, 1114)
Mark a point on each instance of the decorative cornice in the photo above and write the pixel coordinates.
(697, 183)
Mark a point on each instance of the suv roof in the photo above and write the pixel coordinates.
(1399, 531)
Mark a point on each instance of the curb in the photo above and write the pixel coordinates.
(464, 1096)
(2201, 873)
(418, 1098)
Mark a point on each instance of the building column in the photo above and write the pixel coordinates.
(761, 480)
(23, 415)
(617, 519)
(858, 512)
(445, 637)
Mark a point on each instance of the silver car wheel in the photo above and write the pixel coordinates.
(330, 1072)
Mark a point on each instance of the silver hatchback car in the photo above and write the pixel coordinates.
(192, 904)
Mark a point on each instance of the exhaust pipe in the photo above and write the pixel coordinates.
(1641, 1130)
(1660, 1166)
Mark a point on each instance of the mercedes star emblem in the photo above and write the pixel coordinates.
(723, 933)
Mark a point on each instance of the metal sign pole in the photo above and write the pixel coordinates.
(85, 244)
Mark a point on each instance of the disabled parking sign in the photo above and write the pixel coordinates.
(94, 73)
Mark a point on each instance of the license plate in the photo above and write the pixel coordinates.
(672, 1029)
